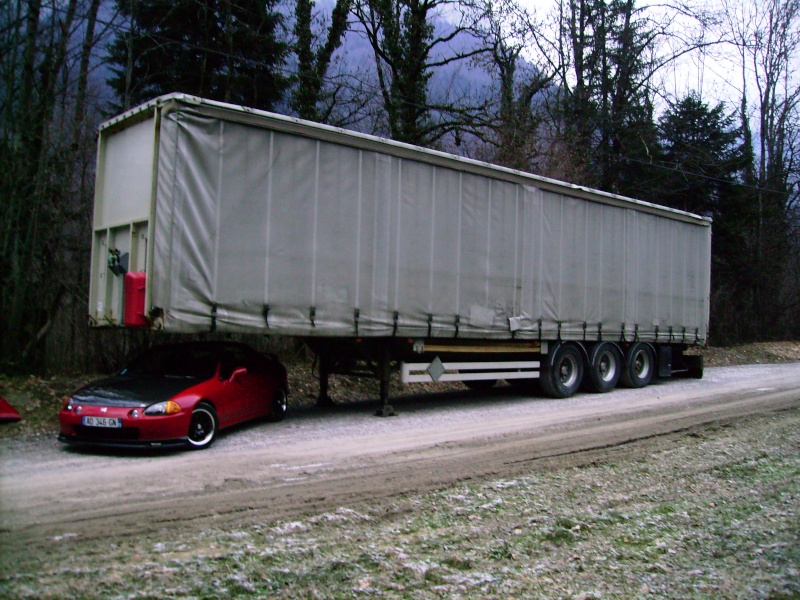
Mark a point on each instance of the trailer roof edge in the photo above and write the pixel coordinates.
(298, 126)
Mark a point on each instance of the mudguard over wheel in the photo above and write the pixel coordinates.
(203, 426)
(604, 369)
(563, 375)
(694, 366)
(640, 366)
(278, 406)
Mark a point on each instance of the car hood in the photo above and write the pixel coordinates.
(127, 390)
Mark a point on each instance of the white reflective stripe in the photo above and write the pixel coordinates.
(477, 366)
(423, 377)
(417, 372)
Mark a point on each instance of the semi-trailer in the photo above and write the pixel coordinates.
(210, 217)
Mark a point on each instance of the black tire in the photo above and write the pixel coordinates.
(604, 369)
(203, 426)
(640, 366)
(480, 385)
(563, 375)
(278, 406)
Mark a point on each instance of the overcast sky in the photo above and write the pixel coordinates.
(713, 73)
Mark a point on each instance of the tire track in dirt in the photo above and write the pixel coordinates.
(321, 462)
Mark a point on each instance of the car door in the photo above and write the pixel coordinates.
(242, 386)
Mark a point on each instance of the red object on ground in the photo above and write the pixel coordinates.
(135, 316)
(8, 414)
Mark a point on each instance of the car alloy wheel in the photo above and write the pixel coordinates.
(203, 426)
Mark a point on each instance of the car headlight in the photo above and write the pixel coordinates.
(70, 405)
(163, 408)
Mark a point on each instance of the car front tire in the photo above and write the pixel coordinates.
(203, 426)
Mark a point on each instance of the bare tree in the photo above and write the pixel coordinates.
(766, 35)
(46, 50)
(410, 39)
(515, 115)
(606, 57)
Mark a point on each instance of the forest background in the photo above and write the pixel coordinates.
(611, 94)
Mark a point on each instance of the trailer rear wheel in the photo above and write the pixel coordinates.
(605, 368)
(564, 373)
(640, 366)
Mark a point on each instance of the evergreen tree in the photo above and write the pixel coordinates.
(703, 150)
(605, 108)
(218, 49)
(313, 60)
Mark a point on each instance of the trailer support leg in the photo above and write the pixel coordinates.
(386, 409)
(324, 400)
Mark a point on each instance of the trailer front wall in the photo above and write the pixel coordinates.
(123, 199)
(259, 229)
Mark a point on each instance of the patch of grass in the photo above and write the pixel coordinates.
(459, 563)
(38, 401)
(714, 518)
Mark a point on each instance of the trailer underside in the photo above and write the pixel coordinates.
(558, 368)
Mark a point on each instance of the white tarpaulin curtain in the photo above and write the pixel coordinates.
(260, 228)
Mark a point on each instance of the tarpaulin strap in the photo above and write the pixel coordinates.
(356, 317)
(213, 317)
(395, 317)
(457, 323)
(312, 315)
(265, 312)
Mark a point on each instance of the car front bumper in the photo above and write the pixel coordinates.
(111, 443)
(141, 431)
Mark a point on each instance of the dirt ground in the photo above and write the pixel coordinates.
(750, 354)
(320, 460)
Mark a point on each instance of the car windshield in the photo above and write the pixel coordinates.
(197, 363)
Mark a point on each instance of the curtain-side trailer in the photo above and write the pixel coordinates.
(213, 217)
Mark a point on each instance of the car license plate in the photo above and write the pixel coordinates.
(102, 422)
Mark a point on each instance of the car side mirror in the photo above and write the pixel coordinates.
(240, 372)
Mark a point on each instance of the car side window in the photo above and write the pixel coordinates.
(200, 364)
(232, 359)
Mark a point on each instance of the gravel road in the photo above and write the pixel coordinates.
(318, 460)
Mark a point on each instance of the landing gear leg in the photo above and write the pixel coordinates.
(384, 373)
(324, 400)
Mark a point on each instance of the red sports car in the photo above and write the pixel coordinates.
(177, 395)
